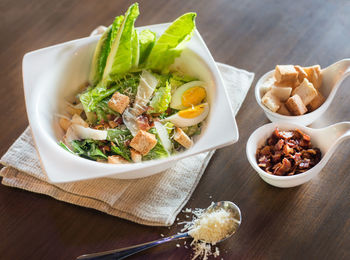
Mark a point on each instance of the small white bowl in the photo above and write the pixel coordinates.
(305, 119)
(332, 77)
(53, 74)
(258, 138)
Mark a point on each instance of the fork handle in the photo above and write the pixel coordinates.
(128, 251)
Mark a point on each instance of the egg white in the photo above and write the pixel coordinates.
(176, 98)
(179, 121)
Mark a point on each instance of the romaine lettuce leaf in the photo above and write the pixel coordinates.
(119, 60)
(126, 85)
(115, 27)
(65, 147)
(171, 43)
(102, 110)
(135, 49)
(102, 50)
(161, 99)
(119, 137)
(147, 38)
(88, 149)
(169, 127)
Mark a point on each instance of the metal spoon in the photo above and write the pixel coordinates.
(128, 251)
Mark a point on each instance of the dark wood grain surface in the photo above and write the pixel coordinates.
(311, 221)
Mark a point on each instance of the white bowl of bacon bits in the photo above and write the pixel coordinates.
(291, 93)
(284, 155)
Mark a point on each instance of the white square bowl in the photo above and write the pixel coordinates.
(54, 74)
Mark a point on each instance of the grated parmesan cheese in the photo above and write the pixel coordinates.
(208, 228)
(212, 227)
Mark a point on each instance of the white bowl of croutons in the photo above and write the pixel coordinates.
(299, 94)
(292, 93)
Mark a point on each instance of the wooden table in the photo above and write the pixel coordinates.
(311, 221)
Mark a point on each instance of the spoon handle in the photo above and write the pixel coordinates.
(128, 251)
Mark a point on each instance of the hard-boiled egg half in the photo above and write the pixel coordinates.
(188, 98)
(190, 116)
(188, 95)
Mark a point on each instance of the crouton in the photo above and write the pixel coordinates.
(267, 85)
(76, 119)
(135, 156)
(118, 102)
(316, 102)
(306, 92)
(314, 75)
(301, 73)
(283, 110)
(296, 106)
(271, 101)
(285, 73)
(282, 93)
(182, 138)
(71, 109)
(64, 123)
(143, 142)
(117, 159)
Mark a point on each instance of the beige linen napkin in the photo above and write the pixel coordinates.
(155, 200)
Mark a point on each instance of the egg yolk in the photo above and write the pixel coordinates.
(192, 112)
(193, 96)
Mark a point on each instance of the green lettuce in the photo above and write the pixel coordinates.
(161, 99)
(119, 60)
(169, 127)
(102, 50)
(135, 49)
(119, 137)
(158, 151)
(147, 38)
(126, 85)
(88, 149)
(171, 43)
(65, 147)
(192, 130)
(102, 110)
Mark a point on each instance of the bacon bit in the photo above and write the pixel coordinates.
(304, 136)
(276, 133)
(284, 168)
(119, 120)
(266, 150)
(277, 156)
(143, 123)
(113, 124)
(287, 149)
(297, 158)
(106, 148)
(304, 164)
(168, 111)
(99, 127)
(271, 141)
(304, 143)
(279, 144)
(287, 153)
